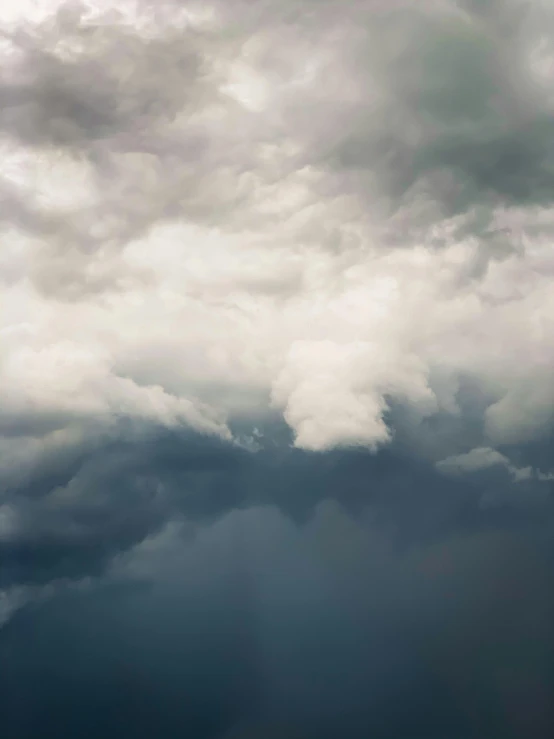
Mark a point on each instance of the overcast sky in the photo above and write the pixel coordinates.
(276, 369)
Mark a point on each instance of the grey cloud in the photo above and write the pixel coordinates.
(443, 100)
(256, 624)
(441, 89)
(109, 104)
(408, 113)
(81, 508)
(465, 116)
(109, 82)
(452, 101)
(394, 114)
(72, 516)
(168, 582)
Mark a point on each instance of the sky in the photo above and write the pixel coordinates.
(276, 360)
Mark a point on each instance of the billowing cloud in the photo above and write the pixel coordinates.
(484, 458)
(219, 217)
(212, 210)
(502, 482)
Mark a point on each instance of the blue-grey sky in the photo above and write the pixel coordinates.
(276, 358)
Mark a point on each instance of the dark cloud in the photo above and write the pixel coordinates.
(159, 581)
(465, 115)
(110, 82)
(258, 625)
(73, 518)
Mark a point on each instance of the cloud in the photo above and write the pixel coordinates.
(483, 458)
(278, 205)
(276, 350)
(219, 217)
(477, 459)
(334, 393)
(70, 514)
(255, 622)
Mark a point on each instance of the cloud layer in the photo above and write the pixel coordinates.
(222, 217)
(276, 354)
(211, 211)
(259, 627)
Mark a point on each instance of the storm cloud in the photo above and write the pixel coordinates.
(276, 349)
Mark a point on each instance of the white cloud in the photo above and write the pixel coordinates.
(482, 458)
(236, 220)
(335, 393)
(477, 459)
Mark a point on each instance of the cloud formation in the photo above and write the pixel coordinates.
(483, 458)
(218, 217)
(259, 627)
(238, 206)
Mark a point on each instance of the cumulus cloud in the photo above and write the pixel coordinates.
(477, 459)
(483, 458)
(219, 216)
(276, 353)
(215, 207)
